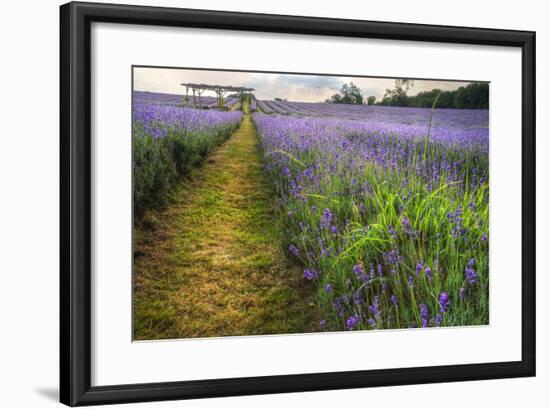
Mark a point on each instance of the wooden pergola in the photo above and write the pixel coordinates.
(220, 90)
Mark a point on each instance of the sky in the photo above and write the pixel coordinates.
(294, 87)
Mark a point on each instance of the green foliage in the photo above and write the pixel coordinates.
(398, 94)
(349, 94)
(371, 100)
(472, 96)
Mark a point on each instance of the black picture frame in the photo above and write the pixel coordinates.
(75, 203)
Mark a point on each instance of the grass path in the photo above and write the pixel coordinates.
(212, 263)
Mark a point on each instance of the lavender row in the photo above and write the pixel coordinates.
(168, 141)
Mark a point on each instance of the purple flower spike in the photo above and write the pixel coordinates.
(424, 315)
(327, 218)
(352, 322)
(293, 250)
(419, 267)
(358, 270)
(429, 274)
(444, 302)
(310, 275)
(471, 276)
(374, 308)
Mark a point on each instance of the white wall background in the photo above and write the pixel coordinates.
(29, 203)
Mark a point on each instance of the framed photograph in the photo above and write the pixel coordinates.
(257, 204)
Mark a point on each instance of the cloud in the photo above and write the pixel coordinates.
(294, 87)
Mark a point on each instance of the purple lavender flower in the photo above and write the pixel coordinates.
(408, 228)
(471, 275)
(352, 321)
(333, 229)
(393, 256)
(393, 299)
(461, 293)
(410, 281)
(444, 302)
(293, 250)
(358, 299)
(323, 323)
(358, 270)
(371, 272)
(429, 274)
(438, 320)
(338, 307)
(374, 308)
(419, 267)
(424, 314)
(310, 275)
(328, 288)
(326, 220)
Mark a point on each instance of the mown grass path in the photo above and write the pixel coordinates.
(212, 263)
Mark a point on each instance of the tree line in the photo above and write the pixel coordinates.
(472, 96)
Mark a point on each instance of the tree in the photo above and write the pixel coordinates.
(349, 94)
(371, 100)
(398, 94)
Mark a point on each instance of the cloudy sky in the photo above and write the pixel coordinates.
(305, 88)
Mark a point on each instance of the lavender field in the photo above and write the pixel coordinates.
(389, 223)
(270, 216)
